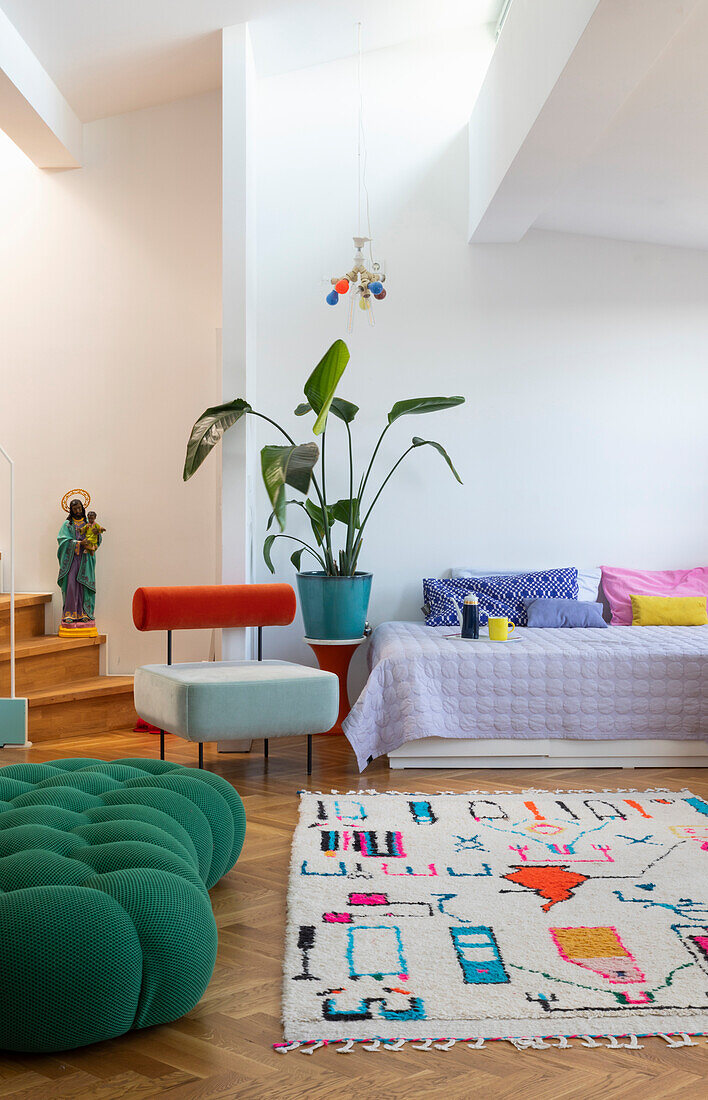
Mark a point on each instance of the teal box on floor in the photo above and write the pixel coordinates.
(13, 721)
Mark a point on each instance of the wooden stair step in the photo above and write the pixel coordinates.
(29, 615)
(23, 599)
(82, 689)
(48, 643)
(95, 705)
(49, 660)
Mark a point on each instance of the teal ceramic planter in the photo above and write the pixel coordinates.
(334, 607)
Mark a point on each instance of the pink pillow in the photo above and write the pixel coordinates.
(619, 584)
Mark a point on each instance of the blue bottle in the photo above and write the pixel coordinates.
(470, 617)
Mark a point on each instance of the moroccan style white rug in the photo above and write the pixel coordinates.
(497, 916)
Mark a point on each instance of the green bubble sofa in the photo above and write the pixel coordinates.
(105, 919)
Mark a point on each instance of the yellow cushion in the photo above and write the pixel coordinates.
(669, 611)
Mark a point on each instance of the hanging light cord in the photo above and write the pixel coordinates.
(361, 150)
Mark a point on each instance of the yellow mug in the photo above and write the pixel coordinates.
(500, 628)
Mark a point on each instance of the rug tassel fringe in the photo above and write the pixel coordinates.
(530, 1043)
(519, 1042)
(525, 791)
(680, 1040)
(310, 1049)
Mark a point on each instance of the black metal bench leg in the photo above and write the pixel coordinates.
(162, 744)
(201, 754)
(309, 754)
(265, 748)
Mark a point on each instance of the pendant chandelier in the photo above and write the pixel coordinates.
(362, 283)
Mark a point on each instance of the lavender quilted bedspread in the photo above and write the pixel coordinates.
(623, 682)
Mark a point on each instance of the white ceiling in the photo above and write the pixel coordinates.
(111, 56)
(646, 179)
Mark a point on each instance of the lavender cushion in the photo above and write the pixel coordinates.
(571, 613)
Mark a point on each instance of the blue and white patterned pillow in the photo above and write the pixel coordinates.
(498, 594)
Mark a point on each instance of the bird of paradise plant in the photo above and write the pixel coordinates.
(294, 464)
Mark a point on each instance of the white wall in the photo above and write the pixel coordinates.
(109, 313)
(582, 360)
(240, 316)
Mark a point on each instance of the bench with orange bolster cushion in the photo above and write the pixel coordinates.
(229, 700)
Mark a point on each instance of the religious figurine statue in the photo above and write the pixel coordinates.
(79, 538)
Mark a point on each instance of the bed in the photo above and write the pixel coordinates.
(625, 696)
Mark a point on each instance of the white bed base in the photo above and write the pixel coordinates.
(453, 752)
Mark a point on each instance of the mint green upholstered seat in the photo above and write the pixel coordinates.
(105, 919)
(222, 700)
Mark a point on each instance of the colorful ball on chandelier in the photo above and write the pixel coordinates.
(381, 295)
(376, 287)
(365, 303)
(332, 298)
(342, 286)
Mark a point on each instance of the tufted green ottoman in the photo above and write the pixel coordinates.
(105, 919)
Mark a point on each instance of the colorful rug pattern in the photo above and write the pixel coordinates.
(469, 916)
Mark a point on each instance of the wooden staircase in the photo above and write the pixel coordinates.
(60, 676)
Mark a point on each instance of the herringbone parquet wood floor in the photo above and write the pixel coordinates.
(223, 1047)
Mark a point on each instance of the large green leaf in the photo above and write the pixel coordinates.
(343, 410)
(418, 442)
(317, 519)
(314, 514)
(340, 510)
(322, 383)
(283, 466)
(267, 546)
(295, 558)
(271, 517)
(209, 429)
(417, 405)
(305, 548)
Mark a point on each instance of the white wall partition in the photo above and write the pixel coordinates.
(239, 309)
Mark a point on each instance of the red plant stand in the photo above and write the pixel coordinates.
(335, 656)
